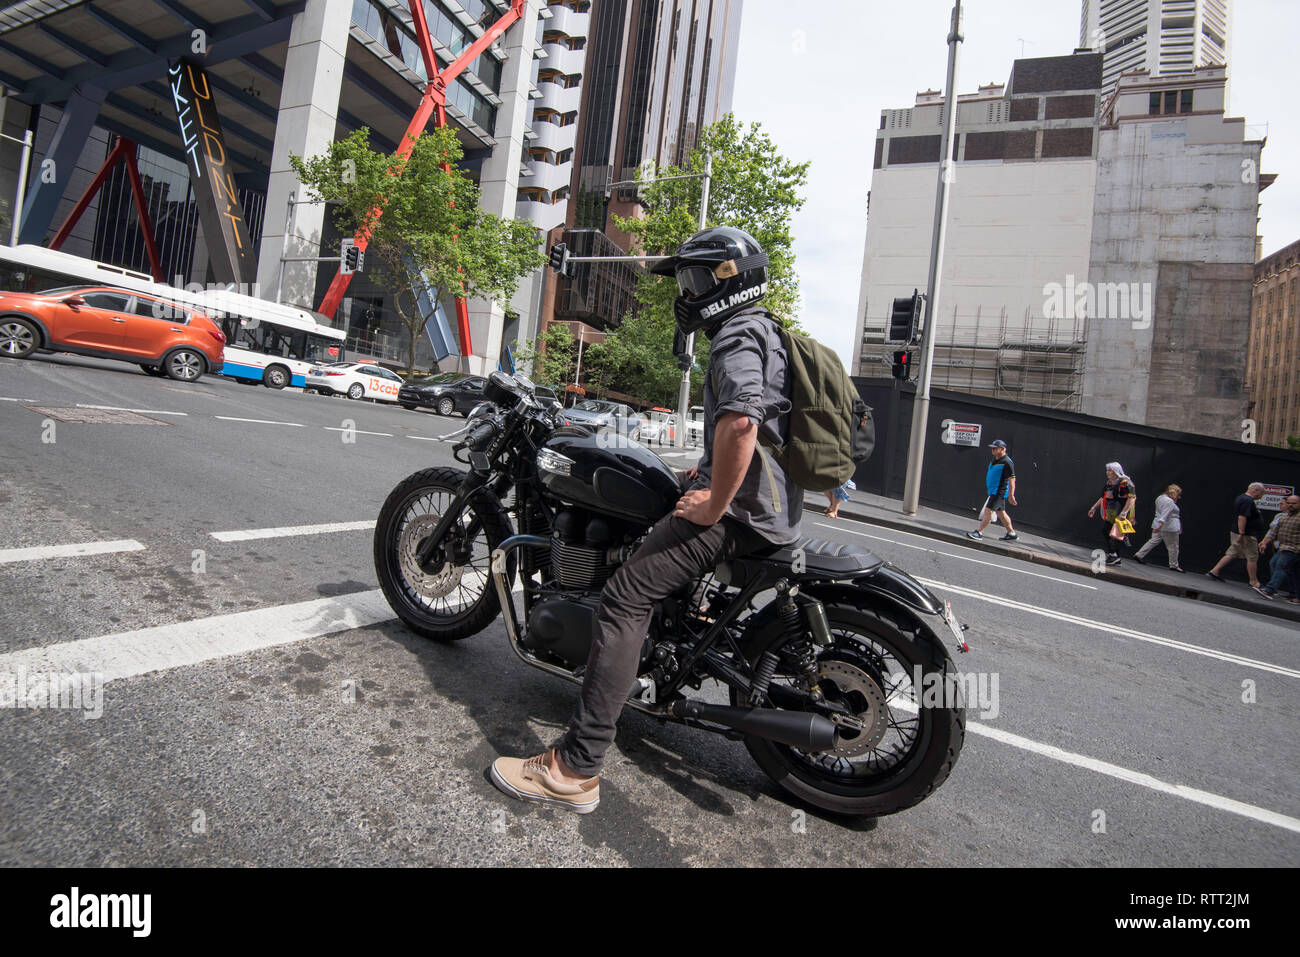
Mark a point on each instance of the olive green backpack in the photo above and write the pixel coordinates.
(831, 430)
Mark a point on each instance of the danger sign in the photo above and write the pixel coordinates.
(961, 433)
(1273, 495)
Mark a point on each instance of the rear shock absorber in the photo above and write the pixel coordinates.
(762, 678)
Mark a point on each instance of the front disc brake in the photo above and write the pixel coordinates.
(425, 584)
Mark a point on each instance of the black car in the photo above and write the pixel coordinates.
(446, 393)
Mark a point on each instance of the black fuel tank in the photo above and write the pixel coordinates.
(608, 473)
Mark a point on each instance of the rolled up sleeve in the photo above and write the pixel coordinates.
(737, 369)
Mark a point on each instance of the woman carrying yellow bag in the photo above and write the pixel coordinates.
(1118, 499)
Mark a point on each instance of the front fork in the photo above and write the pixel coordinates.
(427, 554)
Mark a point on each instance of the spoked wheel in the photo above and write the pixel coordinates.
(898, 742)
(453, 596)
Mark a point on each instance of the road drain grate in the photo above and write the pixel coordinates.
(94, 416)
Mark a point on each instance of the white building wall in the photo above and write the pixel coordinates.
(1013, 229)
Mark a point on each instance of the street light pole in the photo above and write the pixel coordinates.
(20, 194)
(684, 394)
(921, 405)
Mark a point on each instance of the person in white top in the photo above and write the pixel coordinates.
(1165, 527)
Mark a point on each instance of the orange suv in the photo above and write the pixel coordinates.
(163, 337)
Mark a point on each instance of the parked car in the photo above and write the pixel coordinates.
(695, 425)
(356, 380)
(446, 393)
(163, 337)
(598, 414)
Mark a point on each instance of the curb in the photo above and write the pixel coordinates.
(1272, 609)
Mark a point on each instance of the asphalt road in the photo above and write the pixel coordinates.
(1118, 727)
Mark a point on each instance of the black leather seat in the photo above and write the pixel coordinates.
(820, 559)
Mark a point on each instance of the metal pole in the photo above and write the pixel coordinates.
(684, 395)
(284, 247)
(921, 405)
(581, 339)
(21, 193)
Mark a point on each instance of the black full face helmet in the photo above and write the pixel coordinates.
(720, 272)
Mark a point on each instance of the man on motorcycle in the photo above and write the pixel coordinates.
(739, 500)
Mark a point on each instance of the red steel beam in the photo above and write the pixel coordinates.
(110, 161)
(142, 211)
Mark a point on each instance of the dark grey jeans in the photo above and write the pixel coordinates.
(674, 553)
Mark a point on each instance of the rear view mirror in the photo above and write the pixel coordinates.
(73, 301)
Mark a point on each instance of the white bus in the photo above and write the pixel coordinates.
(266, 342)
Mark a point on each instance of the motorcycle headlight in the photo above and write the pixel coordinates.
(551, 461)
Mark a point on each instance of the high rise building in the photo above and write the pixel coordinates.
(1159, 36)
(658, 72)
(1273, 367)
(1100, 250)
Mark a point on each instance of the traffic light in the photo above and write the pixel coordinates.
(560, 259)
(351, 257)
(905, 318)
(902, 365)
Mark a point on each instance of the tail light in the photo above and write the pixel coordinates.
(218, 335)
(335, 373)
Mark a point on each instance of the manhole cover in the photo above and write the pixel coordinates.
(94, 416)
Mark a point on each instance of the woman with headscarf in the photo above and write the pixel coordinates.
(1117, 501)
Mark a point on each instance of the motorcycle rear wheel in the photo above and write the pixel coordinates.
(872, 660)
(453, 601)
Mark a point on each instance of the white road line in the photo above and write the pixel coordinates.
(5, 398)
(131, 653)
(1232, 806)
(1114, 629)
(39, 552)
(115, 408)
(231, 418)
(288, 531)
(331, 428)
(964, 558)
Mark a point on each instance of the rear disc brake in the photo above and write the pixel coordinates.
(867, 720)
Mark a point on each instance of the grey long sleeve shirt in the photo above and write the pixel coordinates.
(748, 374)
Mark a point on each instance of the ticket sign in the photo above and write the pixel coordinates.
(1273, 495)
(212, 174)
(961, 433)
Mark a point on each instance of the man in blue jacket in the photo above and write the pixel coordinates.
(1000, 480)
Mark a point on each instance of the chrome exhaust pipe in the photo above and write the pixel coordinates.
(797, 729)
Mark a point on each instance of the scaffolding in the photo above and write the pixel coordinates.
(1034, 359)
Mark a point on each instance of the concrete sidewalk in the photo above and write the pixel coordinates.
(952, 527)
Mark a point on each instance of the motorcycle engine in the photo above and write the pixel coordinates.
(584, 549)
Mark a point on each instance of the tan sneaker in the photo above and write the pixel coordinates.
(530, 780)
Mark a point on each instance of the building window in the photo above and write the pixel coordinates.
(1153, 108)
(1184, 101)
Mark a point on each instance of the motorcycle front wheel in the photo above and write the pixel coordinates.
(454, 596)
(898, 741)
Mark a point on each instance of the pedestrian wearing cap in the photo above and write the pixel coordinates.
(1000, 482)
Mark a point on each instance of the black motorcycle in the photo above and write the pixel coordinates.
(840, 685)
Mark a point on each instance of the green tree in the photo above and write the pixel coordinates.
(1293, 442)
(754, 188)
(551, 357)
(431, 235)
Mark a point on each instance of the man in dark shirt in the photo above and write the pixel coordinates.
(1248, 526)
(1000, 482)
(739, 500)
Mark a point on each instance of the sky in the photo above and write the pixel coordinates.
(817, 75)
